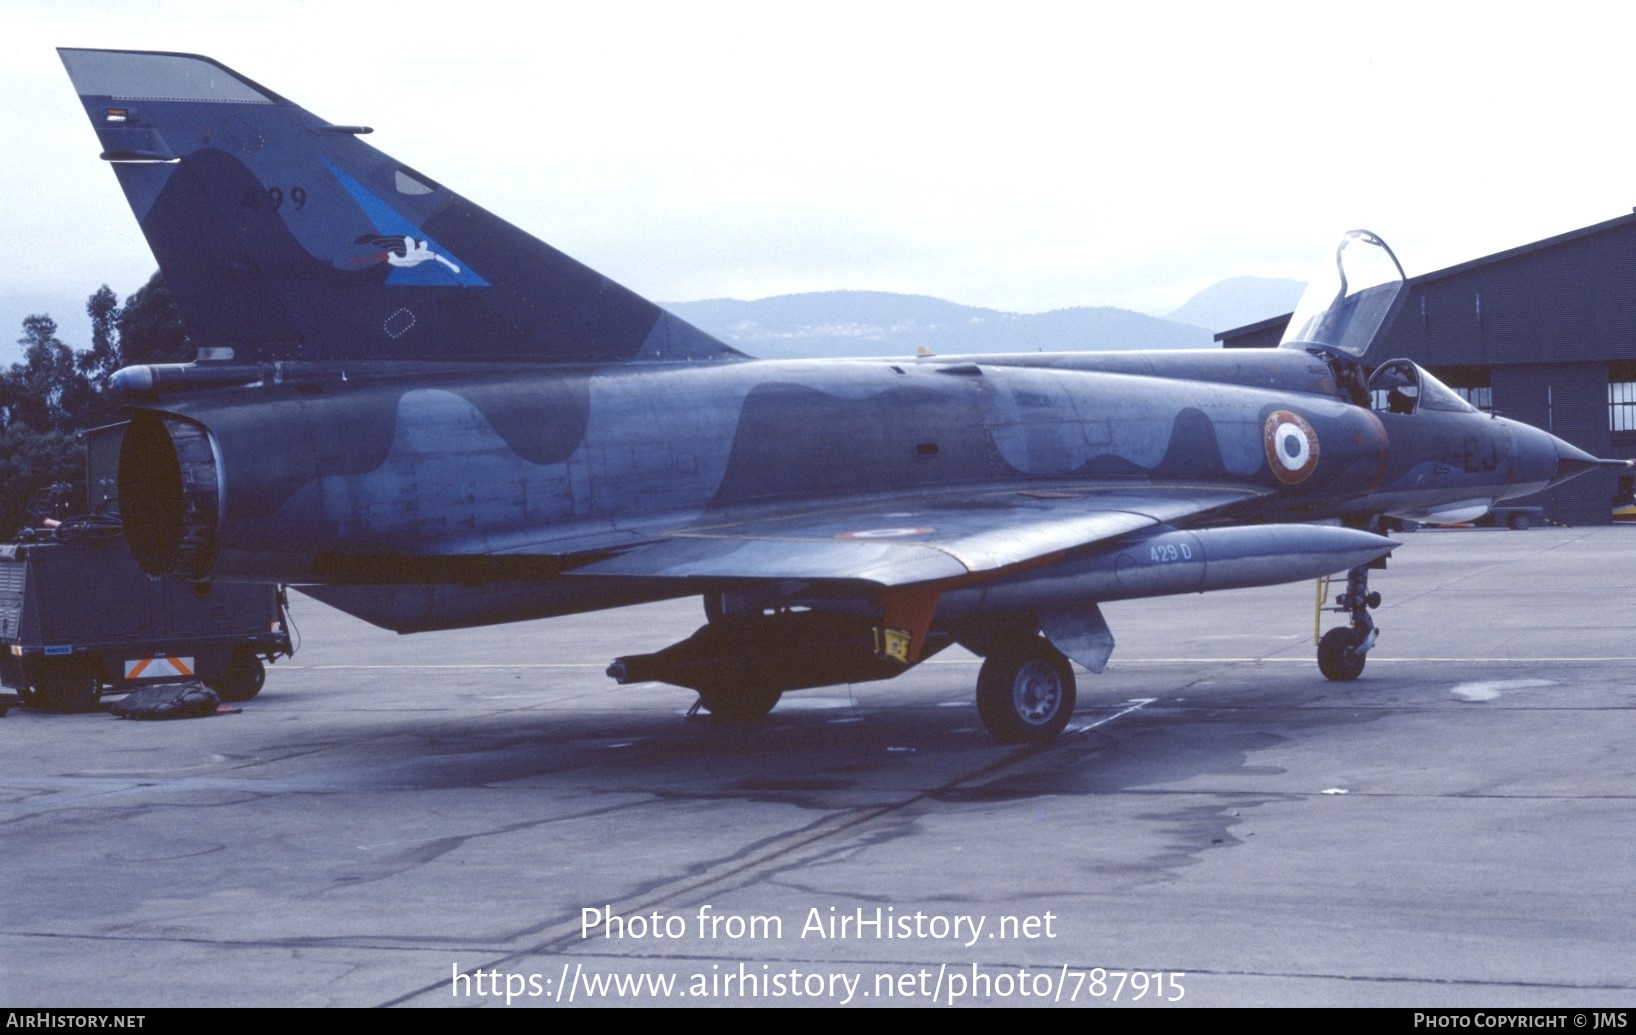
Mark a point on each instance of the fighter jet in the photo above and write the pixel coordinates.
(430, 419)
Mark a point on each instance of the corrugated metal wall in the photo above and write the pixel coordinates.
(1569, 400)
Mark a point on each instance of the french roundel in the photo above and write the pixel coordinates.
(1292, 447)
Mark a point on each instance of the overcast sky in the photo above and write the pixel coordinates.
(1027, 157)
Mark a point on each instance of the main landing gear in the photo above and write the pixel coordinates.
(744, 658)
(1342, 651)
(1025, 691)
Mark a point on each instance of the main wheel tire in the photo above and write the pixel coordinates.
(243, 679)
(1026, 693)
(67, 685)
(1520, 521)
(1336, 658)
(739, 705)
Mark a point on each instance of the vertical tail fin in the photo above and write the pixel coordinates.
(283, 236)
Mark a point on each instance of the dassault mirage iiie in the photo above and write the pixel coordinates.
(432, 419)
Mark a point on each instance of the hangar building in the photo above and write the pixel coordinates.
(1544, 333)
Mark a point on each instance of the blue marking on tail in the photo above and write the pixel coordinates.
(437, 268)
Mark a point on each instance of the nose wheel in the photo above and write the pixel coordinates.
(1343, 651)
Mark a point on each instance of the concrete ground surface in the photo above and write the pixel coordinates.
(433, 820)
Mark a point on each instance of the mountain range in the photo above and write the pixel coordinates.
(878, 323)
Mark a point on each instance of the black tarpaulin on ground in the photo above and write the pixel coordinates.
(168, 701)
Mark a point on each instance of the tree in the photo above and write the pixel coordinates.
(31, 460)
(104, 355)
(37, 386)
(54, 394)
(150, 327)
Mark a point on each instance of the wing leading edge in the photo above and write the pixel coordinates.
(899, 542)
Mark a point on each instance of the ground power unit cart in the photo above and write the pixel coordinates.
(78, 619)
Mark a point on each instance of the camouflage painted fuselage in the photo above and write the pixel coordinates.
(511, 473)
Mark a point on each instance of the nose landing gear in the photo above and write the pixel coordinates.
(1342, 651)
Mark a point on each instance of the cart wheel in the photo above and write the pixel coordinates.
(243, 679)
(67, 685)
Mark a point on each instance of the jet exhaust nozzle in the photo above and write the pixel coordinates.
(170, 495)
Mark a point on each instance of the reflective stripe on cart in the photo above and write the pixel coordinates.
(158, 668)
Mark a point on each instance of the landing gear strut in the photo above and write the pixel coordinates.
(1342, 651)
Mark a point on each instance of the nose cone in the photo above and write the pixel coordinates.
(1571, 461)
(1540, 460)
